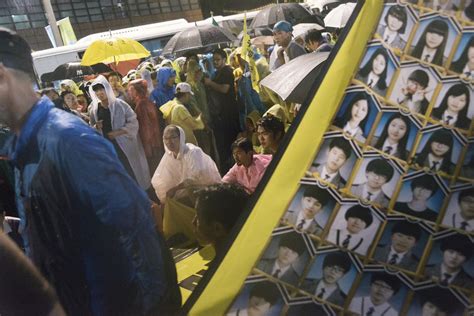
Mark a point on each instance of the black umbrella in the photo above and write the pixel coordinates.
(198, 38)
(234, 26)
(291, 12)
(70, 71)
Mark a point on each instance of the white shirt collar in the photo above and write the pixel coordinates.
(276, 267)
(351, 131)
(428, 52)
(372, 79)
(431, 160)
(453, 275)
(389, 35)
(468, 71)
(300, 218)
(328, 289)
(365, 192)
(325, 172)
(400, 255)
(457, 221)
(386, 144)
(452, 120)
(379, 309)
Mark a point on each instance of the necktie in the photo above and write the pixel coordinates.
(448, 119)
(321, 293)
(345, 242)
(370, 312)
(434, 165)
(301, 224)
(369, 196)
(370, 83)
(393, 259)
(464, 225)
(445, 281)
(386, 39)
(326, 177)
(388, 150)
(427, 57)
(276, 273)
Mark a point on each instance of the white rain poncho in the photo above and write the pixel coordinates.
(191, 165)
(123, 118)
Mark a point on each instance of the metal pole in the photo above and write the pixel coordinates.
(48, 10)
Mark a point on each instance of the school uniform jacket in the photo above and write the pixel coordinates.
(397, 154)
(338, 180)
(398, 42)
(409, 260)
(314, 227)
(462, 279)
(374, 86)
(380, 198)
(337, 297)
(290, 276)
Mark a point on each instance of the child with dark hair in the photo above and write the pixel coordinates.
(395, 26)
(394, 137)
(423, 188)
(465, 63)
(414, 92)
(262, 297)
(270, 131)
(374, 72)
(355, 117)
(335, 267)
(378, 172)
(313, 201)
(462, 217)
(452, 110)
(432, 43)
(431, 303)
(436, 155)
(315, 42)
(339, 152)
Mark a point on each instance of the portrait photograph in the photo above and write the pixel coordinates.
(377, 68)
(401, 245)
(450, 262)
(330, 277)
(310, 209)
(420, 197)
(467, 170)
(285, 258)
(395, 135)
(414, 87)
(444, 6)
(468, 13)
(334, 162)
(357, 115)
(463, 60)
(354, 228)
(435, 301)
(375, 181)
(453, 106)
(310, 307)
(379, 293)
(395, 25)
(257, 298)
(433, 40)
(460, 211)
(438, 151)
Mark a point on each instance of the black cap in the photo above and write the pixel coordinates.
(15, 52)
(459, 243)
(408, 229)
(294, 242)
(360, 212)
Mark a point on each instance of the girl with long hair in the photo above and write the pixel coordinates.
(355, 117)
(432, 43)
(436, 155)
(394, 137)
(452, 110)
(465, 63)
(374, 72)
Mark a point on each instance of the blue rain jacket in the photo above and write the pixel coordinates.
(163, 93)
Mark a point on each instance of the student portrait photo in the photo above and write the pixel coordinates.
(394, 26)
(454, 106)
(379, 294)
(262, 298)
(356, 115)
(460, 211)
(437, 150)
(334, 162)
(451, 263)
(307, 208)
(433, 41)
(376, 69)
(401, 245)
(463, 62)
(446, 6)
(420, 197)
(467, 170)
(285, 258)
(435, 301)
(375, 181)
(354, 228)
(330, 277)
(394, 135)
(414, 89)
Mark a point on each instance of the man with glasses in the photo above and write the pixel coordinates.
(462, 217)
(335, 267)
(383, 287)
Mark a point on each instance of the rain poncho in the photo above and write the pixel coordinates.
(86, 225)
(71, 86)
(146, 75)
(248, 97)
(200, 97)
(123, 118)
(163, 93)
(280, 113)
(191, 165)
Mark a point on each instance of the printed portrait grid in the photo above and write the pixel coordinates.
(421, 209)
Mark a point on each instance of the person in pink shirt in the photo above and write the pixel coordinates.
(249, 168)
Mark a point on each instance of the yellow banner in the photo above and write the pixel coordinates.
(67, 32)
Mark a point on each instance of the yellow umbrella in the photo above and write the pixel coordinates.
(113, 50)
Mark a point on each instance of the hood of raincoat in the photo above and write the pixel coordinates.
(164, 74)
(146, 75)
(167, 108)
(183, 147)
(279, 112)
(254, 116)
(72, 86)
(108, 90)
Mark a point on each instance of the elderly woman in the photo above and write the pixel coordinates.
(117, 122)
(183, 167)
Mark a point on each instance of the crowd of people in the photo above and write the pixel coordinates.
(87, 170)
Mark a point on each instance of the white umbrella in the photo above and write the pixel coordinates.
(339, 16)
(302, 28)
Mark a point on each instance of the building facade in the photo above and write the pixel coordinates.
(91, 16)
